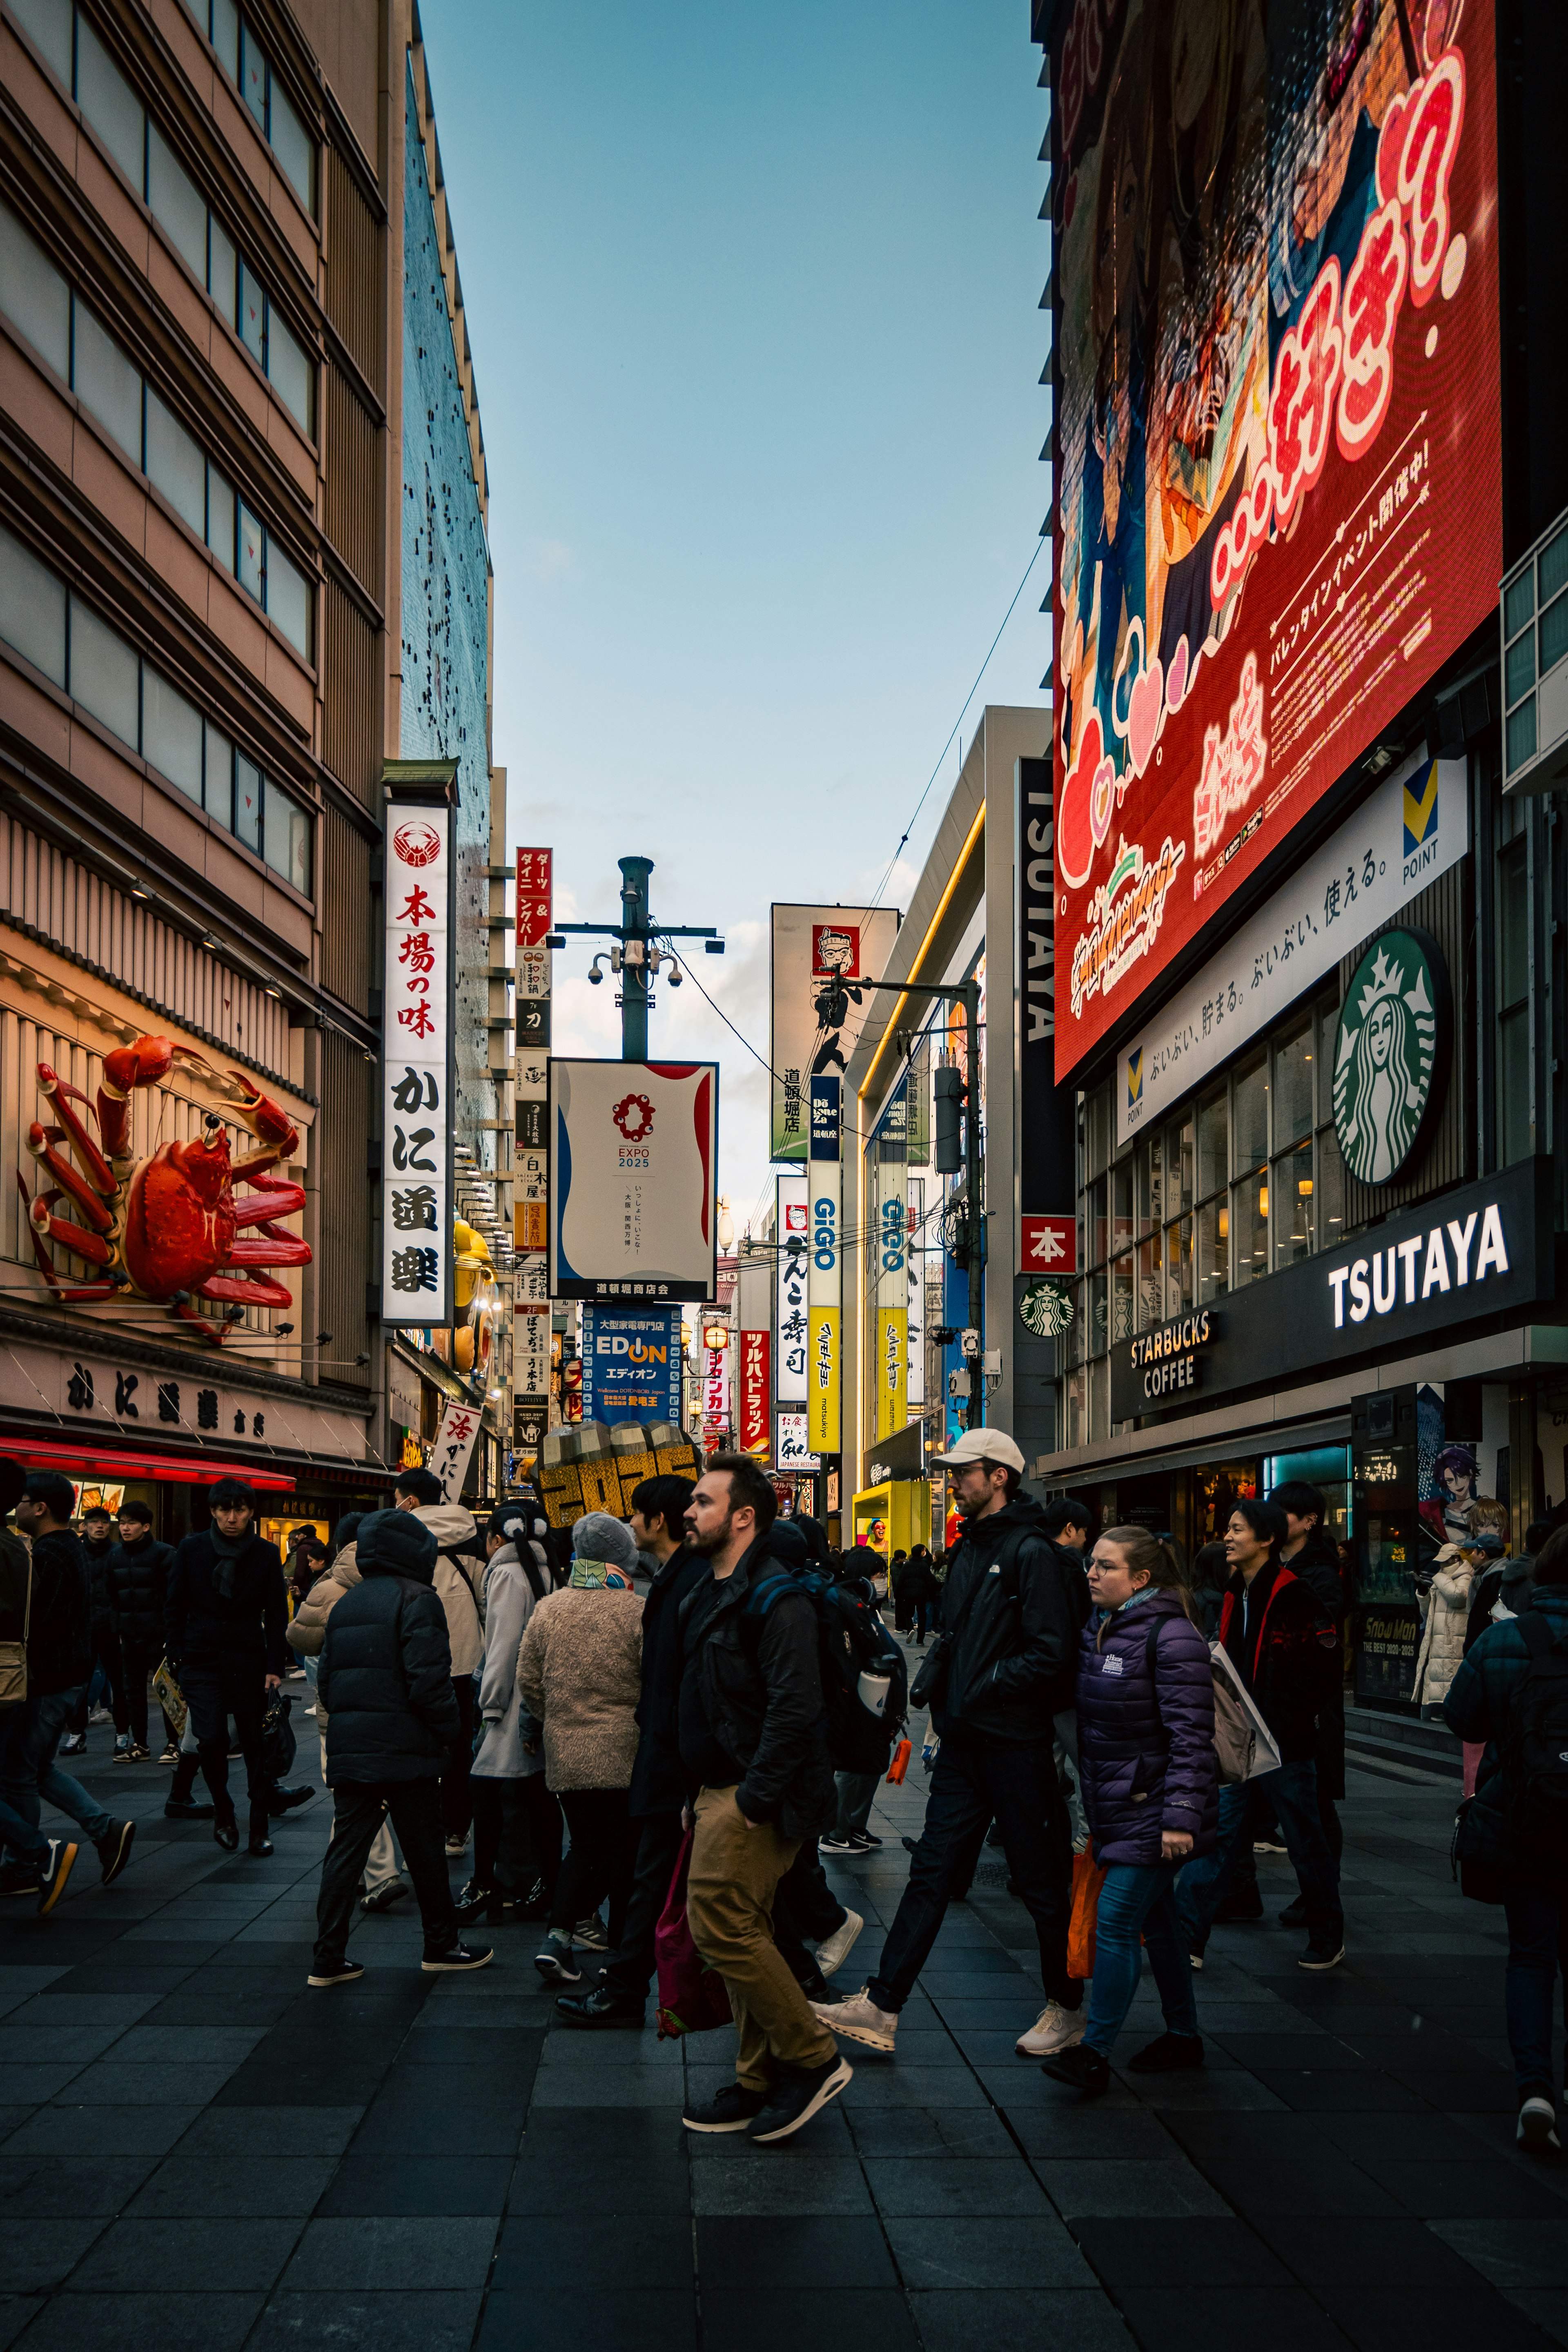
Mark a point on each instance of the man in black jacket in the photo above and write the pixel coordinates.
(138, 1579)
(659, 1789)
(60, 1660)
(385, 1685)
(97, 1542)
(751, 1739)
(1008, 1663)
(223, 1617)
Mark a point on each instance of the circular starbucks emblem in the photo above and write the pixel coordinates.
(1046, 1307)
(1388, 1059)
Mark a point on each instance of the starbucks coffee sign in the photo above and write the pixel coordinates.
(1046, 1307)
(1391, 1054)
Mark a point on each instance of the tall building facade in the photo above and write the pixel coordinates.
(243, 567)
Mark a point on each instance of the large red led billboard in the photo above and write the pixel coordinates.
(1276, 383)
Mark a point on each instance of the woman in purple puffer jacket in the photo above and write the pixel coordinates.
(1151, 1789)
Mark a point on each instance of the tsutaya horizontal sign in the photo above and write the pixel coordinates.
(1484, 1253)
(1413, 828)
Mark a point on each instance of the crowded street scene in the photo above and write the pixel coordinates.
(783, 1345)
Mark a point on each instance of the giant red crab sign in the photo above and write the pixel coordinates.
(166, 1228)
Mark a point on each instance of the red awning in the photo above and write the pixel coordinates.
(96, 1461)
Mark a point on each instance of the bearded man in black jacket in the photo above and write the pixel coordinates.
(1012, 1609)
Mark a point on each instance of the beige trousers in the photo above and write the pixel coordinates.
(729, 1908)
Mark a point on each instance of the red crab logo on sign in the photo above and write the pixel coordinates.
(164, 1228)
(416, 844)
(634, 1116)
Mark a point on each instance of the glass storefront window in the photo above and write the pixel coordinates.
(1330, 1189)
(1179, 1267)
(1094, 1234)
(1250, 1115)
(1213, 1249)
(1097, 1321)
(1179, 1167)
(1121, 1298)
(1151, 1258)
(1121, 1204)
(1214, 1140)
(1291, 1195)
(1249, 1228)
(1293, 1084)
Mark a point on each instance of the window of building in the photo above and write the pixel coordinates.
(73, 645)
(35, 297)
(245, 60)
(66, 39)
(1514, 1139)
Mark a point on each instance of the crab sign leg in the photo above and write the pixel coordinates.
(141, 1063)
(92, 1246)
(245, 1291)
(46, 1265)
(98, 1173)
(272, 1201)
(268, 1248)
(41, 1141)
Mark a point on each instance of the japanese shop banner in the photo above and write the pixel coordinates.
(633, 1157)
(791, 1227)
(535, 915)
(891, 1367)
(454, 1446)
(1279, 501)
(810, 947)
(755, 1375)
(793, 1451)
(917, 1241)
(825, 1280)
(631, 1359)
(417, 1067)
(1413, 827)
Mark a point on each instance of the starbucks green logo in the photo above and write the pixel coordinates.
(1386, 1059)
(1046, 1309)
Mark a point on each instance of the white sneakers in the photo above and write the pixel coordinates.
(832, 1955)
(1054, 2029)
(859, 2018)
(1538, 2126)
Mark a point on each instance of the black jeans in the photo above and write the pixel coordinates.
(358, 1810)
(106, 1653)
(658, 1843)
(501, 1834)
(456, 1803)
(602, 1859)
(213, 1693)
(140, 1659)
(974, 1780)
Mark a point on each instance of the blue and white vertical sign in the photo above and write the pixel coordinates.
(631, 1363)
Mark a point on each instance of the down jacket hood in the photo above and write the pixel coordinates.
(394, 1543)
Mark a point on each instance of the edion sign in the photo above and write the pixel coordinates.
(1279, 498)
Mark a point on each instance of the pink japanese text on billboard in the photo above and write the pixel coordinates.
(1279, 501)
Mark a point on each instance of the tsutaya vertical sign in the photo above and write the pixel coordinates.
(790, 1233)
(824, 1294)
(892, 1278)
(416, 1064)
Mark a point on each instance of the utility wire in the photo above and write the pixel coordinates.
(957, 723)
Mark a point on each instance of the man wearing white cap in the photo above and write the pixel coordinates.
(1006, 1662)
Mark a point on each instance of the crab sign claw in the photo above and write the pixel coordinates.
(139, 1063)
(268, 1122)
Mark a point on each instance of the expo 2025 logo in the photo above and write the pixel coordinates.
(1391, 1053)
(634, 1116)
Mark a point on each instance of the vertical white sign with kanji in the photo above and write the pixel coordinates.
(417, 1067)
(454, 1446)
(792, 1242)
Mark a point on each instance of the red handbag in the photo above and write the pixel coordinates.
(691, 1995)
(1087, 1878)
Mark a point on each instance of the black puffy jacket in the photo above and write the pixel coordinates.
(100, 1599)
(761, 1684)
(1014, 1664)
(59, 1637)
(386, 1678)
(138, 1587)
(658, 1776)
(202, 1628)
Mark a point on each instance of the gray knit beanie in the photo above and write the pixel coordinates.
(597, 1535)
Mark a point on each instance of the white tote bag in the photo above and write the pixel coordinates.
(1243, 1741)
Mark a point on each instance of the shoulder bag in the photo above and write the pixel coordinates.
(14, 1654)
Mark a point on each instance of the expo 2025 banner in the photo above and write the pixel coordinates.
(1278, 492)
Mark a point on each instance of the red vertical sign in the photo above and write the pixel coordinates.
(755, 1348)
(535, 898)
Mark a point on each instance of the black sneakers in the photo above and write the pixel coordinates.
(600, 2007)
(1081, 2068)
(1321, 1957)
(335, 1972)
(456, 1957)
(799, 2095)
(1170, 2053)
(114, 1851)
(730, 2110)
(554, 1961)
(53, 1876)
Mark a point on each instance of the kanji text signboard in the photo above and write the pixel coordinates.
(416, 1066)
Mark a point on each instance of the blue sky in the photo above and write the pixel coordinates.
(753, 294)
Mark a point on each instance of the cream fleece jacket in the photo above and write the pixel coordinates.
(580, 1671)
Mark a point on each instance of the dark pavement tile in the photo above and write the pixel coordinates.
(422, 2321)
(101, 2131)
(261, 2132)
(1091, 2133)
(1440, 2319)
(1027, 2253)
(926, 2131)
(652, 2323)
(767, 2256)
(1480, 2191)
(142, 2257)
(908, 2185)
(1017, 2320)
(1128, 2188)
(1197, 2319)
(1320, 2052)
(1324, 2183)
(416, 2184)
(536, 2255)
(400, 2129)
(857, 2319)
(1421, 2137)
(1547, 2306)
(390, 2253)
(216, 2185)
(757, 2182)
(1309, 2090)
(1170, 2254)
(186, 2323)
(464, 2046)
(1511, 2253)
(120, 1977)
(271, 2085)
(35, 2256)
(1342, 2250)
(16, 2311)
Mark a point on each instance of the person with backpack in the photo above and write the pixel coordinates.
(1005, 1667)
(1284, 1647)
(459, 1569)
(753, 1740)
(1511, 1691)
(1151, 1789)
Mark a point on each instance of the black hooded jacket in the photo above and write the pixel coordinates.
(60, 1634)
(658, 1777)
(759, 1682)
(138, 1581)
(385, 1676)
(101, 1597)
(1012, 1662)
(205, 1628)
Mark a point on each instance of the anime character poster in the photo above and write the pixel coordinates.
(1278, 469)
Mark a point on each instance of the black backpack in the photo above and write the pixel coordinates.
(852, 1640)
(1535, 1751)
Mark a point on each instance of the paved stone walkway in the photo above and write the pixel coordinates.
(198, 2152)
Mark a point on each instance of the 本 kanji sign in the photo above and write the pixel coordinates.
(416, 1066)
(1049, 1244)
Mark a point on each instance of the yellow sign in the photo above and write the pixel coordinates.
(528, 1227)
(892, 1370)
(822, 1377)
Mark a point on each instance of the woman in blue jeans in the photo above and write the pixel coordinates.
(1151, 1790)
